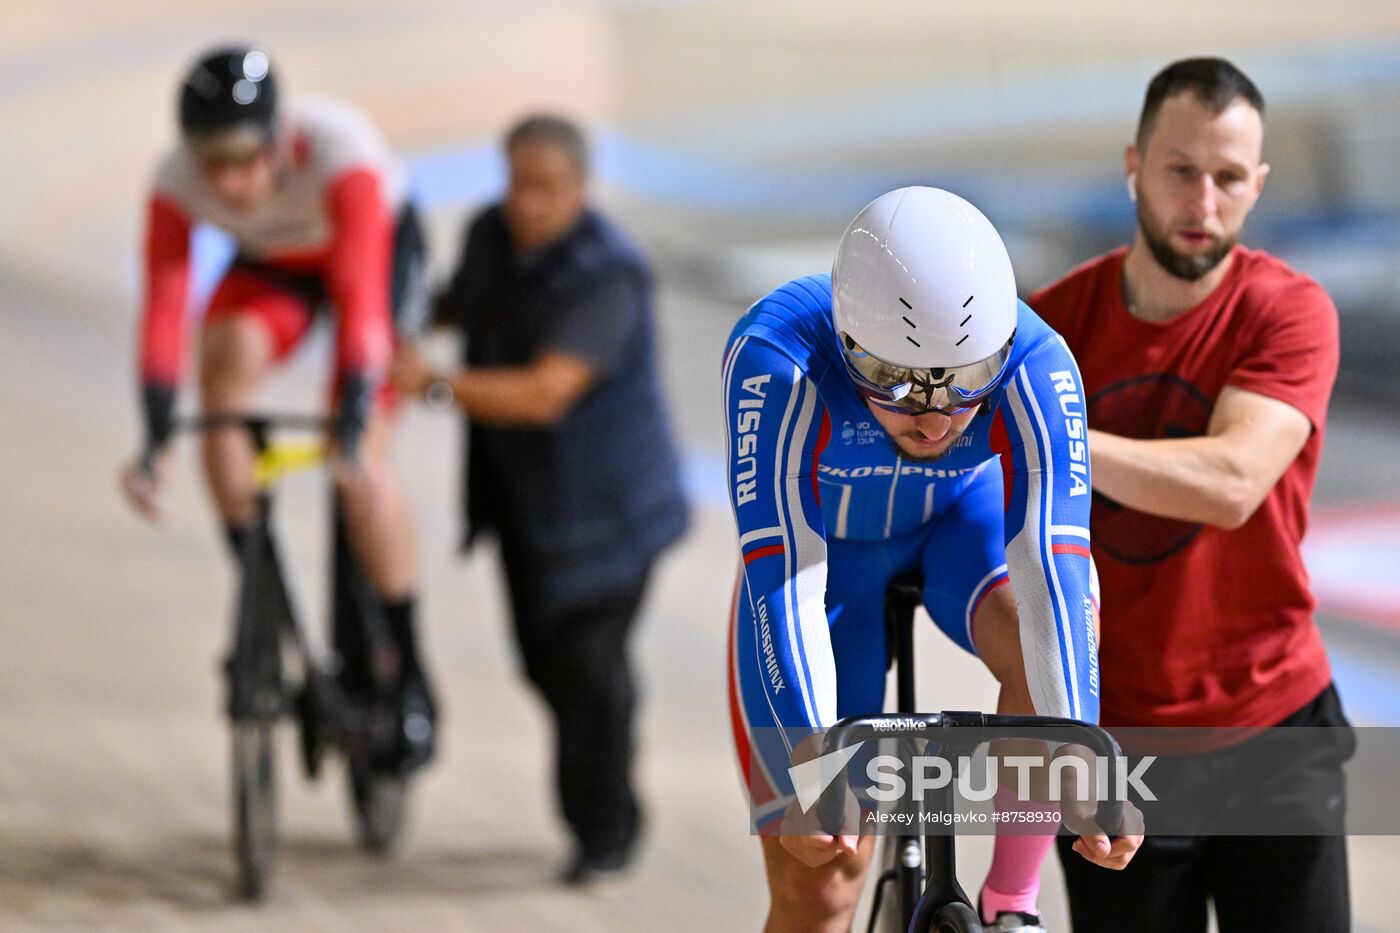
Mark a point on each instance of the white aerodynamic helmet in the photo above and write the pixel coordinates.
(924, 302)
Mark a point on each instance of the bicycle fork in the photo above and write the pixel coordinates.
(255, 663)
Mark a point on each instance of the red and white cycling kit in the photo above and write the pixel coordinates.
(326, 232)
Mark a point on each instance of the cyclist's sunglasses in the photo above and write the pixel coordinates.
(907, 391)
(234, 148)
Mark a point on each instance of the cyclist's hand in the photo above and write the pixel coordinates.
(804, 839)
(141, 482)
(1078, 807)
(802, 834)
(1117, 852)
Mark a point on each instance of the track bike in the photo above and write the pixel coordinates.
(345, 702)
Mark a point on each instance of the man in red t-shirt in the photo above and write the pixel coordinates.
(1208, 368)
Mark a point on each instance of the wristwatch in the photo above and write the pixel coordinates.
(439, 395)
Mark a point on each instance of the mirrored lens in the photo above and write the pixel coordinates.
(907, 390)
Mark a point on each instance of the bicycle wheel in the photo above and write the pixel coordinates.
(378, 799)
(955, 917)
(254, 805)
(255, 704)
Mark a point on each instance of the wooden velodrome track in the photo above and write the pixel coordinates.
(113, 796)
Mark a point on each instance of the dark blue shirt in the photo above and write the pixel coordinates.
(594, 497)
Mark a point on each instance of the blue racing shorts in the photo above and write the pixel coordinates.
(961, 554)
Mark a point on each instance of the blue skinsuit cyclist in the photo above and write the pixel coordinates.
(905, 413)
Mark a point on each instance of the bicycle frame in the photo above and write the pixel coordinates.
(927, 881)
(344, 707)
(266, 610)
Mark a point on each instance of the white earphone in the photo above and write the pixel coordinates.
(1132, 187)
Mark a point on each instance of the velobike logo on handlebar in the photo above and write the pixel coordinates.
(901, 724)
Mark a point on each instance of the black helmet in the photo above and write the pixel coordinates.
(229, 87)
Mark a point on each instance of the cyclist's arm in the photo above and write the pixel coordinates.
(357, 280)
(1040, 433)
(776, 427)
(162, 333)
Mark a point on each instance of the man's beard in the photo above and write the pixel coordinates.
(1189, 268)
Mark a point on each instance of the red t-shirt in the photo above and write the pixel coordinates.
(1203, 626)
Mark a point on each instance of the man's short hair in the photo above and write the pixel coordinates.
(554, 131)
(1216, 83)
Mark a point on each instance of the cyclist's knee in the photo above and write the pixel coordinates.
(814, 898)
(996, 632)
(368, 493)
(235, 355)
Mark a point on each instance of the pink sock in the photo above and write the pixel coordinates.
(1014, 880)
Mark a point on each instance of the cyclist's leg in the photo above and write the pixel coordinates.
(804, 898)
(376, 512)
(813, 900)
(251, 325)
(381, 533)
(377, 516)
(801, 899)
(967, 592)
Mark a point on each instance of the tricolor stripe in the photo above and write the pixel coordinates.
(761, 552)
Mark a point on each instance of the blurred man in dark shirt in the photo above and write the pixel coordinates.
(570, 459)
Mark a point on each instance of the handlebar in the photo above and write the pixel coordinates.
(970, 729)
(255, 421)
(273, 460)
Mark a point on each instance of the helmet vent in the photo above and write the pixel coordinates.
(907, 305)
(915, 342)
(965, 320)
(911, 324)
